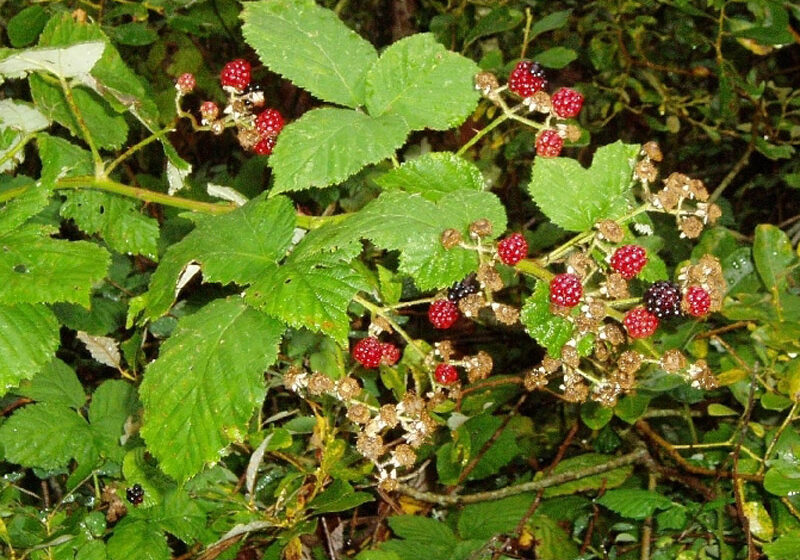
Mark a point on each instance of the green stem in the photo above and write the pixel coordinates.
(136, 147)
(381, 312)
(532, 268)
(778, 434)
(481, 133)
(98, 161)
(13, 151)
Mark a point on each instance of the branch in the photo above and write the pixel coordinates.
(546, 482)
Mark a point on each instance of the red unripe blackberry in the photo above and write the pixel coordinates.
(390, 353)
(565, 290)
(526, 79)
(264, 146)
(549, 143)
(629, 260)
(697, 301)
(368, 352)
(209, 111)
(640, 323)
(235, 74)
(185, 83)
(567, 103)
(512, 249)
(443, 313)
(663, 299)
(269, 123)
(446, 374)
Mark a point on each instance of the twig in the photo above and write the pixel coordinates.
(728, 179)
(546, 482)
(738, 485)
(647, 529)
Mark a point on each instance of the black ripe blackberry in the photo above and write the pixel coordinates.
(537, 71)
(135, 494)
(663, 299)
(466, 287)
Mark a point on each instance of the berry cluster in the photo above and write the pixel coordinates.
(256, 132)
(135, 494)
(371, 352)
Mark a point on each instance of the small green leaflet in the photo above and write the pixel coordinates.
(326, 146)
(551, 331)
(575, 198)
(421, 81)
(30, 339)
(207, 381)
(310, 46)
(434, 175)
(634, 503)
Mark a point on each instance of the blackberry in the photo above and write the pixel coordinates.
(663, 299)
(466, 287)
(135, 494)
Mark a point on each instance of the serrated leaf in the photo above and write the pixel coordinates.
(56, 384)
(420, 80)
(550, 331)
(112, 403)
(107, 128)
(634, 503)
(786, 547)
(433, 175)
(61, 158)
(772, 253)
(20, 116)
(498, 20)
(339, 496)
(311, 47)
(30, 338)
(118, 220)
(68, 62)
(236, 247)
(576, 198)
(102, 348)
(206, 383)
(556, 57)
(487, 519)
(319, 288)
(422, 537)
(551, 542)
(610, 479)
(555, 20)
(35, 268)
(26, 25)
(326, 146)
(137, 539)
(34, 436)
(178, 514)
(18, 210)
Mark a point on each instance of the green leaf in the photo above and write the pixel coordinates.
(498, 20)
(632, 407)
(21, 116)
(18, 210)
(35, 268)
(760, 523)
(550, 331)
(138, 539)
(30, 338)
(311, 47)
(25, 26)
(555, 20)
(180, 515)
(326, 146)
(44, 435)
(205, 384)
(69, 62)
(634, 503)
(610, 479)
(118, 220)
(772, 253)
(551, 542)
(783, 480)
(423, 537)
(487, 519)
(595, 415)
(433, 175)
(421, 81)
(786, 547)
(112, 403)
(339, 496)
(319, 288)
(134, 34)
(556, 57)
(56, 384)
(576, 198)
(236, 247)
(107, 128)
(61, 158)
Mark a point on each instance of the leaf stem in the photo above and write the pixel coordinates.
(532, 268)
(87, 136)
(481, 133)
(13, 151)
(136, 147)
(381, 312)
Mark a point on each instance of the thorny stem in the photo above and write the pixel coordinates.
(546, 482)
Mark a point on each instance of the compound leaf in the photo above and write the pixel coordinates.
(326, 146)
(310, 46)
(206, 383)
(420, 80)
(575, 198)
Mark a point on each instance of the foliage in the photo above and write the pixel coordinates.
(178, 312)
